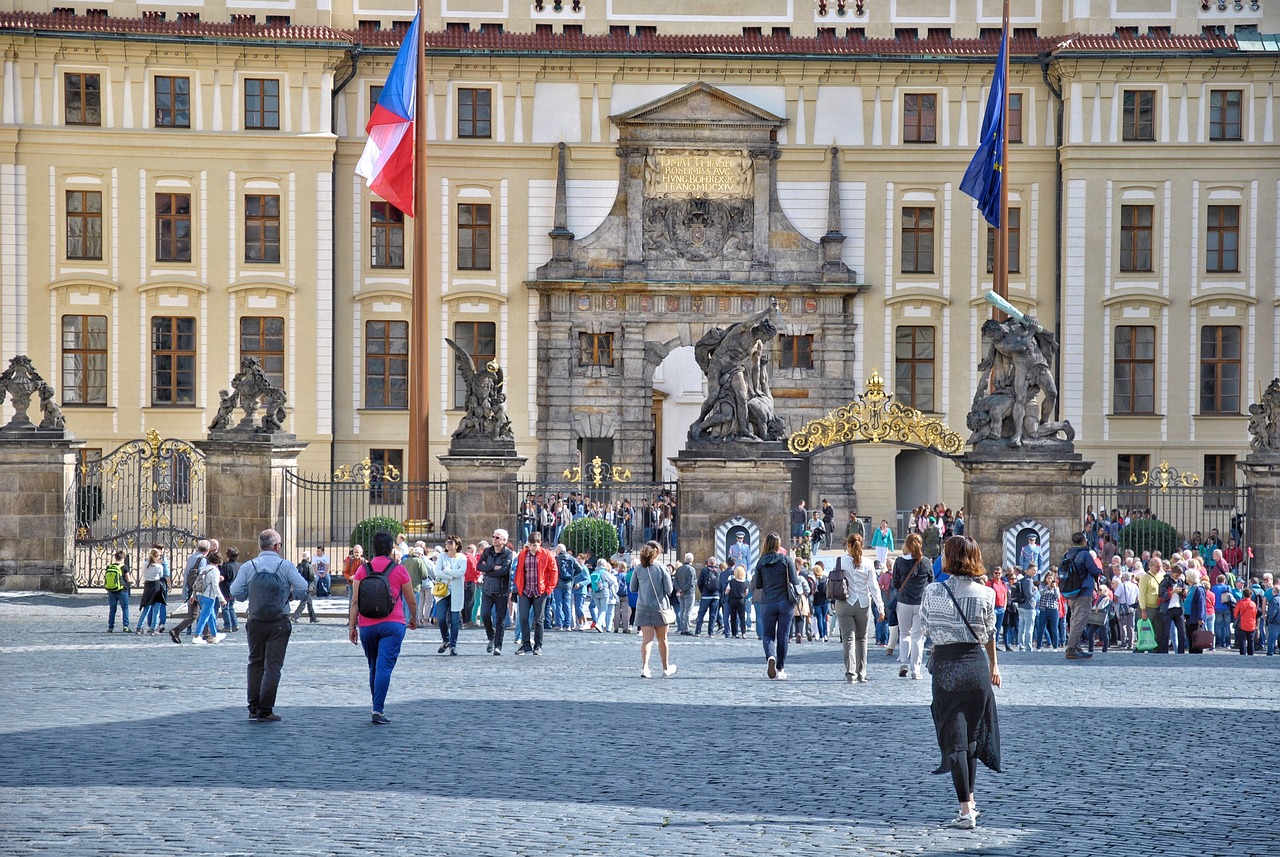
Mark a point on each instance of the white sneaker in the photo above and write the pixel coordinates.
(964, 821)
(668, 672)
(782, 675)
(218, 638)
(644, 673)
(199, 641)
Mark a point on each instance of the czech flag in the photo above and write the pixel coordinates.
(387, 162)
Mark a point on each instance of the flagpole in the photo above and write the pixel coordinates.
(419, 324)
(1000, 265)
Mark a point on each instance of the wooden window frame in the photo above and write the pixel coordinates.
(264, 222)
(1224, 127)
(1215, 367)
(393, 353)
(1138, 121)
(1013, 128)
(1128, 495)
(83, 225)
(1219, 481)
(179, 102)
(1015, 243)
(475, 238)
(915, 104)
(471, 126)
(89, 113)
(916, 232)
(172, 327)
(910, 392)
(1128, 360)
(1218, 235)
(260, 344)
(595, 349)
(77, 386)
(470, 335)
(385, 223)
(168, 224)
(382, 492)
(795, 352)
(262, 118)
(1131, 231)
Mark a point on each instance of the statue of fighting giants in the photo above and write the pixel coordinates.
(739, 404)
(1264, 421)
(486, 413)
(1013, 375)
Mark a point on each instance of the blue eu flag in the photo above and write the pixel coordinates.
(985, 175)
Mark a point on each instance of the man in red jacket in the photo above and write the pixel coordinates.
(535, 576)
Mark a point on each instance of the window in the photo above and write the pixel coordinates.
(1225, 114)
(473, 237)
(381, 490)
(474, 110)
(173, 361)
(480, 340)
(1139, 115)
(595, 349)
(1219, 370)
(173, 102)
(1015, 243)
(913, 366)
(262, 104)
(386, 236)
(1223, 242)
(795, 352)
(1220, 474)
(1135, 237)
(919, 118)
(375, 92)
(84, 224)
(1013, 121)
(917, 240)
(261, 228)
(1135, 370)
(263, 337)
(386, 364)
(1132, 467)
(82, 99)
(173, 227)
(84, 360)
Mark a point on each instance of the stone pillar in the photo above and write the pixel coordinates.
(1000, 489)
(483, 494)
(37, 511)
(244, 495)
(719, 481)
(1262, 526)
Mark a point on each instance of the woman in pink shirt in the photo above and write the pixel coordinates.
(381, 636)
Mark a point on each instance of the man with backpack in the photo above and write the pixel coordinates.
(562, 595)
(116, 582)
(1023, 596)
(684, 582)
(1077, 572)
(268, 582)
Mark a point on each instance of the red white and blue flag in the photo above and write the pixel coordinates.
(387, 161)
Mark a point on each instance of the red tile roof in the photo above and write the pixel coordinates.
(493, 41)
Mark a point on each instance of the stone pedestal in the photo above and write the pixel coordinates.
(483, 494)
(245, 491)
(1003, 488)
(37, 512)
(1262, 526)
(719, 481)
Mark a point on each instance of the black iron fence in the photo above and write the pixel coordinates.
(603, 516)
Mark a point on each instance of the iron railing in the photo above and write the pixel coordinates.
(622, 505)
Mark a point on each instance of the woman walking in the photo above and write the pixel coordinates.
(882, 542)
(854, 612)
(651, 582)
(604, 594)
(911, 574)
(451, 571)
(381, 637)
(959, 615)
(778, 584)
(152, 593)
(208, 588)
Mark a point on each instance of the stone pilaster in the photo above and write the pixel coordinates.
(244, 493)
(1002, 489)
(1262, 526)
(483, 494)
(748, 479)
(37, 519)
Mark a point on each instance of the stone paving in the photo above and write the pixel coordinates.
(134, 746)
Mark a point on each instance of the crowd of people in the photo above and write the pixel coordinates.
(654, 519)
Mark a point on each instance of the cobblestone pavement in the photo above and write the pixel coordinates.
(134, 746)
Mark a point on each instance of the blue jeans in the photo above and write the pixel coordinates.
(120, 598)
(1273, 637)
(709, 608)
(724, 616)
(562, 597)
(822, 613)
(882, 632)
(207, 621)
(999, 624)
(150, 615)
(1047, 626)
(381, 643)
(777, 629)
(605, 621)
(1222, 629)
(229, 619)
(580, 606)
(447, 621)
(1026, 622)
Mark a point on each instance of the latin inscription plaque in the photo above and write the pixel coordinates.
(698, 174)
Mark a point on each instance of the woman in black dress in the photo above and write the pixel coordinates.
(959, 614)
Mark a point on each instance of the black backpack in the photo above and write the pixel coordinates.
(1073, 580)
(837, 583)
(375, 600)
(268, 590)
(566, 567)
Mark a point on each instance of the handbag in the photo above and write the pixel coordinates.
(1097, 617)
(1202, 639)
(440, 589)
(666, 612)
(1146, 638)
(928, 664)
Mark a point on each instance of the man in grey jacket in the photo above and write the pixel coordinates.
(685, 583)
(267, 582)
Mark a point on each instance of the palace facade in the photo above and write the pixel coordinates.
(607, 181)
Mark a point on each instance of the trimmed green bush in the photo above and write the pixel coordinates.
(1149, 534)
(594, 536)
(363, 533)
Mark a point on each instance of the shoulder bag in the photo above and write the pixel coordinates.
(666, 612)
(928, 664)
